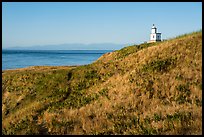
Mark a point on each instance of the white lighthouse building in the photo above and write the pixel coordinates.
(154, 36)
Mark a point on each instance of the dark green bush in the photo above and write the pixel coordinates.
(160, 65)
(184, 93)
(157, 117)
(104, 92)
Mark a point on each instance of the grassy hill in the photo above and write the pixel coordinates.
(152, 88)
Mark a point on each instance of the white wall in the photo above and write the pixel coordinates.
(154, 30)
(153, 36)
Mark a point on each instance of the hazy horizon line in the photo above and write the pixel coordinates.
(73, 46)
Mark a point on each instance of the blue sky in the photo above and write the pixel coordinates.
(31, 23)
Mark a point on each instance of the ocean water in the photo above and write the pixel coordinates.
(12, 59)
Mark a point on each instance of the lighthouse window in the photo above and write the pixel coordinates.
(153, 36)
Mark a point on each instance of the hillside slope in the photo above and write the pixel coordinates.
(153, 88)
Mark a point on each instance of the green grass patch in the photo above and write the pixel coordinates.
(132, 49)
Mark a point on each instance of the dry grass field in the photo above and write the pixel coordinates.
(152, 88)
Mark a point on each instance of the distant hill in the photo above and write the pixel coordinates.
(74, 46)
(151, 88)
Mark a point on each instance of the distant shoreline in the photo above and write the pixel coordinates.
(41, 67)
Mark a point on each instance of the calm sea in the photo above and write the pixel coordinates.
(12, 59)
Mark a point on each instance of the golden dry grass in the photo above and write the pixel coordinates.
(151, 89)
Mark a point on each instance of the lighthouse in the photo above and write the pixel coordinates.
(154, 35)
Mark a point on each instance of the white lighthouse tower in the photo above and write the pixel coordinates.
(154, 36)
